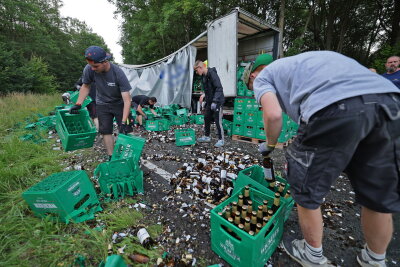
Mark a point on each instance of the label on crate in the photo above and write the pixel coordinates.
(186, 139)
(73, 186)
(271, 238)
(229, 249)
(268, 173)
(45, 205)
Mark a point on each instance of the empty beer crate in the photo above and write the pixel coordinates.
(128, 146)
(157, 125)
(237, 129)
(183, 112)
(119, 178)
(249, 131)
(76, 131)
(67, 196)
(254, 177)
(74, 97)
(239, 104)
(238, 117)
(239, 248)
(185, 137)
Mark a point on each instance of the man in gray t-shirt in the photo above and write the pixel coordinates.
(113, 99)
(349, 121)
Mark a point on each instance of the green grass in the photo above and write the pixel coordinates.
(26, 240)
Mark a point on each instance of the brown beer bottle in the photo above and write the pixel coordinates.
(269, 174)
(270, 214)
(246, 194)
(228, 214)
(237, 218)
(249, 206)
(265, 221)
(240, 203)
(265, 207)
(287, 195)
(244, 214)
(234, 207)
(258, 227)
(277, 200)
(281, 188)
(253, 222)
(247, 224)
(260, 214)
(251, 233)
(241, 226)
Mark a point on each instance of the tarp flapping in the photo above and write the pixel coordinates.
(170, 81)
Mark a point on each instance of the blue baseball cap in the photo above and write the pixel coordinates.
(96, 54)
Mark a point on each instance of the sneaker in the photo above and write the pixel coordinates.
(220, 143)
(366, 260)
(296, 250)
(204, 139)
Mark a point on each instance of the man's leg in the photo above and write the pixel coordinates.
(139, 119)
(377, 228)
(207, 126)
(311, 225)
(109, 143)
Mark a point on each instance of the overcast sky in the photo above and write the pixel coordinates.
(98, 15)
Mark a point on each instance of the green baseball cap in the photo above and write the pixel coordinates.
(263, 59)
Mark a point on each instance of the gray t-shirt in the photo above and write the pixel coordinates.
(109, 85)
(308, 82)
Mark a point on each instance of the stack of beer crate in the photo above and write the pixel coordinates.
(248, 121)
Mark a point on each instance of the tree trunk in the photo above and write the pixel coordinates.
(281, 26)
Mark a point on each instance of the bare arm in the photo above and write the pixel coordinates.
(140, 110)
(154, 113)
(272, 113)
(83, 93)
(127, 105)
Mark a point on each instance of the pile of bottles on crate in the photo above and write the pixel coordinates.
(247, 227)
(248, 121)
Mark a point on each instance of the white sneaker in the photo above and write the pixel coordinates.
(220, 143)
(204, 139)
(296, 250)
(365, 260)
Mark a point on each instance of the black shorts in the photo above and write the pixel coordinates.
(92, 109)
(106, 114)
(359, 136)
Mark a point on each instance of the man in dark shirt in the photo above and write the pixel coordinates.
(141, 101)
(393, 70)
(214, 98)
(113, 99)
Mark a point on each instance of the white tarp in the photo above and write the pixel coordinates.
(169, 80)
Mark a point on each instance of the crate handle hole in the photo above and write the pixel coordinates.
(82, 201)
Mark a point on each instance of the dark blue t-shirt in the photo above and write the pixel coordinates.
(394, 77)
(109, 85)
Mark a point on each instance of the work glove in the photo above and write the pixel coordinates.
(213, 106)
(265, 149)
(125, 128)
(75, 109)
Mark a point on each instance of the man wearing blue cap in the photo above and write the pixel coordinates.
(349, 121)
(113, 99)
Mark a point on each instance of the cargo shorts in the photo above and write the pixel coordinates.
(106, 114)
(359, 136)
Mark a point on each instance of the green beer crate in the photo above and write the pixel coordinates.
(185, 137)
(226, 124)
(157, 125)
(67, 196)
(260, 118)
(183, 112)
(197, 119)
(237, 129)
(250, 104)
(239, 248)
(249, 93)
(74, 97)
(250, 117)
(254, 177)
(128, 146)
(284, 136)
(241, 88)
(239, 104)
(249, 131)
(76, 131)
(177, 120)
(238, 117)
(119, 178)
(260, 132)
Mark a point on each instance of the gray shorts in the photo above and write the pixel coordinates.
(359, 136)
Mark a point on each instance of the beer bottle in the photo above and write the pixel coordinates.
(251, 233)
(221, 214)
(244, 213)
(276, 204)
(253, 220)
(269, 174)
(234, 207)
(237, 218)
(230, 219)
(240, 203)
(260, 214)
(265, 207)
(246, 196)
(247, 224)
(258, 227)
(287, 195)
(144, 238)
(241, 226)
(265, 221)
(281, 188)
(270, 214)
(228, 214)
(249, 206)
